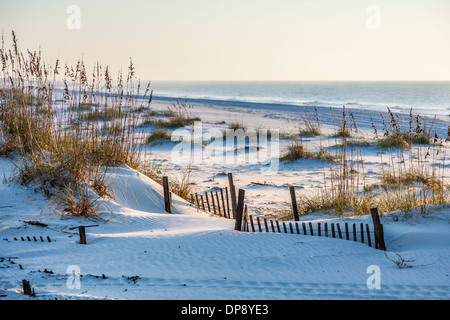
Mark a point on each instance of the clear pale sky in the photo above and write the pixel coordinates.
(243, 39)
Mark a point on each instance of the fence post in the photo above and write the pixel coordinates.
(232, 195)
(27, 288)
(167, 202)
(239, 210)
(82, 233)
(378, 229)
(294, 203)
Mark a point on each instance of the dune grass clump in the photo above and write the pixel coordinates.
(411, 177)
(65, 154)
(107, 114)
(310, 126)
(76, 201)
(158, 136)
(183, 186)
(296, 150)
(394, 140)
(397, 137)
(237, 125)
(177, 116)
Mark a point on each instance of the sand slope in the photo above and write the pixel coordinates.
(145, 253)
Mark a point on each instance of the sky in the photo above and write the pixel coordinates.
(264, 40)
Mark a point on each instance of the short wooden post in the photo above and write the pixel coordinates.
(284, 227)
(326, 229)
(82, 233)
(167, 202)
(319, 231)
(354, 232)
(27, 288)
(294, 203)
(273, 228)
(297, 228)
(378, 229)
(266, 225)
(239, 210)
(290, 227)
(232, 194)
(333, 233)
(278, 227)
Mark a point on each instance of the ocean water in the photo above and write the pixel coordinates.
(425, 98)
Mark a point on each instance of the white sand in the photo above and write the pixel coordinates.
(145, 253)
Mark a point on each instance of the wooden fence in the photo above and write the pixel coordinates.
(358, 232)
(220, 201)
(224, 202)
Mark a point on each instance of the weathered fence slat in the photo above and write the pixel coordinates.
(347, 236)
(378, 229)
(167, 199)
(368, 235)
(232, 194)
(265, 224)
(339, 230)
(203, 202)
(213, 203)
(225, 214)
(361, 227)
(240, 210)
(207, 202)
(259, 223)
(228, 202)
(218, 204)
(294, 203)
(251, 223)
